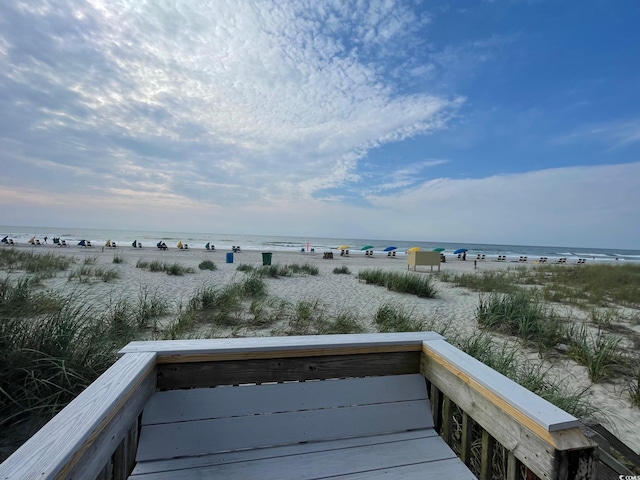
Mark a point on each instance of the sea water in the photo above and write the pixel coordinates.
(265, 243)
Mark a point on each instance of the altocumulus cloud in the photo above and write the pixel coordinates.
(203, 103)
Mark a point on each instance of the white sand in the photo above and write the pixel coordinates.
(455, 306)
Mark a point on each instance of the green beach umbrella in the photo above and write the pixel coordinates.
(367, 247)
(439, 249)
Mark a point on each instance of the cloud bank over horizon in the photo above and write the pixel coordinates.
(306, 118)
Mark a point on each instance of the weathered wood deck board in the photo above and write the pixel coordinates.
(208, 403)
(318, 429)
(267, 347)
(234, 372)
(200, 461)
(209, 436)
(87, 428)
(326, 464)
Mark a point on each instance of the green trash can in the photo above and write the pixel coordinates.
(266, 258)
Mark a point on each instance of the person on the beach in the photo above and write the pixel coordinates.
(45, 239)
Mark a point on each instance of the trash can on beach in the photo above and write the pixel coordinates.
(230, 257)
(266, 258)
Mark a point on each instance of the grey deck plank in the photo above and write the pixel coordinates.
(324, 464)
(220, 402)
(209, 436)
(156, 466)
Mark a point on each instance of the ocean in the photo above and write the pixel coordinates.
(124, 238)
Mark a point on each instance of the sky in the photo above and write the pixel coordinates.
(504, 121)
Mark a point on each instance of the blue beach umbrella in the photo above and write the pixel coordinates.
(388, 249)
(460, 250)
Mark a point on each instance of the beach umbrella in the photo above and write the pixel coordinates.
(135, 243)
(460, 250)
(343, 247)
(413, 249)
(4, 240)
(439, 249)
(82, 243)
(367, 247)
(32, 240)
(388, 249)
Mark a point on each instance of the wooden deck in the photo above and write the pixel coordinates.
(375, 427)
(338, 406)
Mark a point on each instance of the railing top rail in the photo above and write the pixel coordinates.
(53, 450)
(529, 409)
(200, 349)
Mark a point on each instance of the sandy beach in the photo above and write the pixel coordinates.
(452, 305)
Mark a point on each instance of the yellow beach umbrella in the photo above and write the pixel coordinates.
(413, 249)
(343, 247)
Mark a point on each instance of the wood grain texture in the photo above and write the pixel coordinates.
(268, 347)
(531, 410)
(208, 403)
(367, 459)
(539, 454)
(234, 372)
(76, 432)
(274, 452)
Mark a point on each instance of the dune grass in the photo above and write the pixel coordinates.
(521, 314)
(416, 284)
(275, 271)
(343, 270)
(207, 265)
(43, 264)
(168, 268)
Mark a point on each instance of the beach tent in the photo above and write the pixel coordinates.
(32, 240)
(82, 243)
(4, 240)
(135, 243)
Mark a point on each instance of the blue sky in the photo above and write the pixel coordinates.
(487, 121)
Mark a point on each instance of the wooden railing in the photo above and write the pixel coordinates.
(499, 429)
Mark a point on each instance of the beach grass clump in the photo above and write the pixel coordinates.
(521, 314)
(343, 270)
(49, 358)
(245, 267)
(344, 322)
(304, 269)
(598, 352)
(19, 299)
(46, 265)
(395, 318)
(168, 268)
(90, 260)
(149, 306)
(207, 265)
(144, 264)
(419, 285)
(595, 284)
(486, 281)
(118, 259)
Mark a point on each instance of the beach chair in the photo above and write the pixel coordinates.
(581, 261)
(562, 260)
(89, 243)
(522, 259)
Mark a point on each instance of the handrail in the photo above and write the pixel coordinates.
(76, 442)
